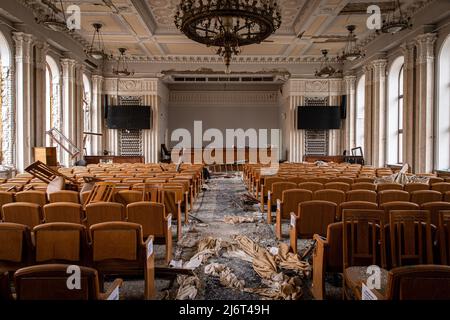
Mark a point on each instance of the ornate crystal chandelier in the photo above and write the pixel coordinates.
(121, 69)
(326, 70)
(395, 20)
(228, 24)
(96, 49)
(351, 51)
(51, 21)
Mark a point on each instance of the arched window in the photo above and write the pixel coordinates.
(87, 102)
(443, 116)
(6, 118)
(395, 113)
(359, 125)
(53, 97)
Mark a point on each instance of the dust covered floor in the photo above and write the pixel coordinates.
(221, 198)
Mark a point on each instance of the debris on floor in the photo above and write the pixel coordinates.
(239, 219)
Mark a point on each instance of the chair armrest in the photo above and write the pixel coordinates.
(110, 294)
(320, 240)
(148, 245)
(168, 221)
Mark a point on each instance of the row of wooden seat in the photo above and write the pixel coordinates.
(365, 238)
(115, 248)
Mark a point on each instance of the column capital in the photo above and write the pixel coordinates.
(23, 42)
(379, 63)
(41, 54)
(425, 47)
(408, 54)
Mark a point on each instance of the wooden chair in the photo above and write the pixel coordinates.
(266, 186)
(184, 195)
(16, 250)
(363, 205)
(423, 196)
(187, 188)
(419, 282)
(337, 186)
(397, 205)
(171, 198)
(126, 197)
(5, 288)
(321, 180)
(444, 236)
(410, 237)
(154, 221)
(311, 186)
(434, 208)
(275, 194)
(434, 180)
(84, 197)
(363, 245)
(290, 199)
(118, 248)
(63, 212)
(362, 195)
(25, 213)
(363, 179)
(364, 186)
(389, 186)
(313, 217)
(345, 180)
(152, 192)
(102, 192)
(327, 257)
(295, 180)
(104, 212)
(335, 196)
(411, 187)
(442, 187)
(447, 196)
(392, 195)
(6, 197)
(30, 281)
(60, 242)
(64, 196)
(38, 197)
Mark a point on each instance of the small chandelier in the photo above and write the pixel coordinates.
(96, 50)
(326, 70)
(396, 21)
(122, 66)
(52, 22)
(228, 24)
(351, 51)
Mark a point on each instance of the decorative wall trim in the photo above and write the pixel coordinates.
(130, 86)
(313, 87)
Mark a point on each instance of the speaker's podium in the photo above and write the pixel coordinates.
(46, 155)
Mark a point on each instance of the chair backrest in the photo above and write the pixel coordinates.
(6, 197)
(314, 218)
(335, 196)
(364, 186)
(447, 196)
(389, 186)
(419, 282)
(434, 180)
(321, 180)
(363, 179)
(397, 205)
(442, 187)
(126, 197)
(337, 186)
(392, 195)
(15, 244)
(60, 242)
(278, 188)
(84, 197)
(38, 197)
(104, 212)
(355, 205)
(64, 196)
(296, 180)
(150, 215)
(362, 195)
(410, 187)
(291, 199)
(434, 208)
(444, 236)
(25, 213)
(102, 192)
(345, 180)
(116, 241)
(311, 186)
(268, 183)
(334, 253)
(363, 238)
(63, 212)
(410, 237)
(424, 196)
(30, 281)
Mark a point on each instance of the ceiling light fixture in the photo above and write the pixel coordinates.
(351, 51)
(96, 49)
(228, 24)
(122, 66)
(326, 70)
(395, 20)
(51, 21)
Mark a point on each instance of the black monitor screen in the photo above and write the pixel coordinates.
(318, 118)
(129, 117)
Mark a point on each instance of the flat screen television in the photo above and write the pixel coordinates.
(318, 117)
(129, 117)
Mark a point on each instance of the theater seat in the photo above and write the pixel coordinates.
(25, 213)
(15, 246)
(64, 196)
(37, 197)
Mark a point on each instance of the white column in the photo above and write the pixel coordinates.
(97, 114)
(78, 110)
(379, 112)
(8, 115)
(69, 104)
(41, 49)
(368, 115)
(23, 46)
(408, 103)
(348, 129)
(424, 107)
